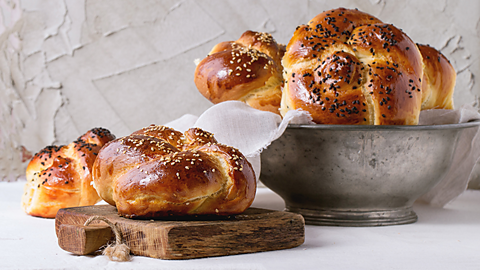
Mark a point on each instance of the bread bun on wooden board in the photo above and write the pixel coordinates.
(160, 172)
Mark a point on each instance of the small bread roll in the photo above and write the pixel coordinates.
(159, 172)
(438, 81)
(347, 67)
(248, 69)
(60, 176)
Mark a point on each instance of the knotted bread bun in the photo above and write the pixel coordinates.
(248, 69)
(438, 80)
(60, 176)
(347, 67)
(158, 172)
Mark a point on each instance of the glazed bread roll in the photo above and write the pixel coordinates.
(248, 69)
(159, 172)
(347, 67)
(60, 176)
(438, 81)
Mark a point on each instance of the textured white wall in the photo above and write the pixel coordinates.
(70, 65)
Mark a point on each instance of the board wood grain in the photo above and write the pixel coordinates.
(255, 230)
(83, 240)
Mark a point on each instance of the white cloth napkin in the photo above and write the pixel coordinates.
(251, 131)
(465, 158)
(236, 124)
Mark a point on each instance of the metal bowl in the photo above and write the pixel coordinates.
(346, 175)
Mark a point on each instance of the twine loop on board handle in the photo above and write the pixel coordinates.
(118, 251)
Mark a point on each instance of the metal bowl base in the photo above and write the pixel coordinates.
(353, 218)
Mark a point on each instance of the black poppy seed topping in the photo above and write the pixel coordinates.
(321, 35)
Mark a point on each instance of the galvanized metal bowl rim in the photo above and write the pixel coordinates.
(386, 127)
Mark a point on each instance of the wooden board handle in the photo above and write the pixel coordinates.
(83, 240)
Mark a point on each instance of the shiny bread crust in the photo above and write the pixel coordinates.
(248, 69)
(439, 77)
(60, 176)
(159, 172)
(348, 67)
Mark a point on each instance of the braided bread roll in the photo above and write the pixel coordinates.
(347, 67)
(438, 80)
(60, 176)
(248, 69)
(158, 172)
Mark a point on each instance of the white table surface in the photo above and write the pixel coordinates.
(446, 238)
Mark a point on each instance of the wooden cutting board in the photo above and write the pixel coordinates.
(255, 230)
